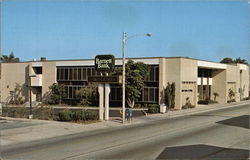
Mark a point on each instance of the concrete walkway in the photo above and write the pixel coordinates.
(16, 130)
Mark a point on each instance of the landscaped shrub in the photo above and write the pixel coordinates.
(17, 112)
(206, 102)
(246, 98)
(203, 102)
(66, 115)
(153, 108)
(187, 104)
(82, 115)
(138, 105)
(89, 115)
(231, 100)
(45, 113)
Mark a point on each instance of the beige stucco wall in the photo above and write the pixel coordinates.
(233, 81)
(219, 85)
(170, 72)
(244, 81)
(12, 74)
(189, 74)
(237, 79)
(49, 76)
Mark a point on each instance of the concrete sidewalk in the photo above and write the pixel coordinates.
(16, 130)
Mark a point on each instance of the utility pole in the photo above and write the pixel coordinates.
(123, 76)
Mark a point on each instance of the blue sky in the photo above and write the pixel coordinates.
(79, 29)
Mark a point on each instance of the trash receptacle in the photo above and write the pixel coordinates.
(163, 108)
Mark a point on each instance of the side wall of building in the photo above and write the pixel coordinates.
(49, 76)
(243, 81)
(237, 81)
(12, 75)
(169, 72)
(188, 84)
(219, 85)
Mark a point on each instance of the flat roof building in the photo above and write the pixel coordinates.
(195, 79)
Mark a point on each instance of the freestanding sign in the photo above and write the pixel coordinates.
(104, 63)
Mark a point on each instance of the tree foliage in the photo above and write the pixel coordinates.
(215, 95)
(170, 95)
(231, 94)
(228, 60)
(86, 95)
(239, 60)
(58, 93)
(135, 73)
(9, 58)
(16, 95)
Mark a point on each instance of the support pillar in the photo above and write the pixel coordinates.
(101, 98)
(107, 91)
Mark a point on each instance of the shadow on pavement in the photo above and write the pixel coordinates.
(204, 152)
(241, 121)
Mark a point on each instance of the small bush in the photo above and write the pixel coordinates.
(187, 104)
(207, 101)
(66, 116)
(153, 108)
(17, 112)
(89, 115)
(45, 113)
(203, 102)
(138, 105)
(246, 98)
(231, 101)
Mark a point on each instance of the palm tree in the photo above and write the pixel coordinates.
(239, 60)
(215, 95)
(9, 58)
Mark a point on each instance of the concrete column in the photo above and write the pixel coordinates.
(107, 91)
(101, 97)
(1, 109)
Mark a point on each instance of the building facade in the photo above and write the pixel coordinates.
(194, 79)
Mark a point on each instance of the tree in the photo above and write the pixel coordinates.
(16, 95)
(135, 73)
(227, 60)
(231, 94)
(170, 95)
(86, 95)
(58, 92)
(9, 58)
(239, 60)
(215, 95)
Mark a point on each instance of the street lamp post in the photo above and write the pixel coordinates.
(30, 115)
(123, 75)
(124, 39)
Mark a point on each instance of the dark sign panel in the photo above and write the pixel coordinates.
(104, 63)
(105, 79)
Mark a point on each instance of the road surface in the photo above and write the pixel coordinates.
(213, 135)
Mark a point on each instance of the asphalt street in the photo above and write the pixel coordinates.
(221, 134)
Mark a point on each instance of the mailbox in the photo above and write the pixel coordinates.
(129, 114)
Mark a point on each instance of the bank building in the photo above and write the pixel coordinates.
(193, 78)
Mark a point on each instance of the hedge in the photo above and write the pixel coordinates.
(82, 115)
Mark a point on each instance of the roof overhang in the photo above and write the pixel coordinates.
(212, 65)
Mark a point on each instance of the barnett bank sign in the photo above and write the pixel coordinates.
(104, 63)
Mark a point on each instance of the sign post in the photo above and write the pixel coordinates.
(101, 98)
(107, 91)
